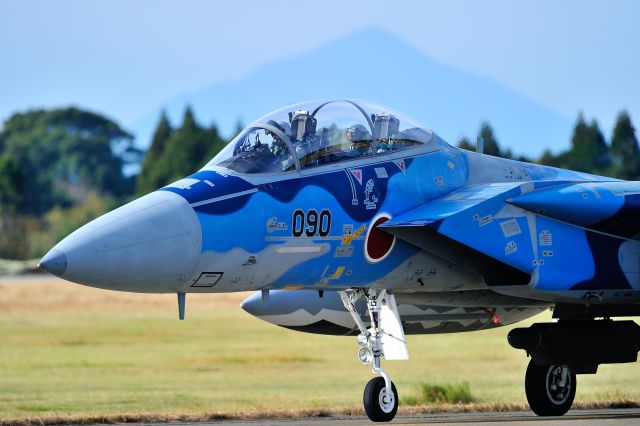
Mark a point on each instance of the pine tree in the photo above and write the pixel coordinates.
(625, 153)
(186, 151)
(549, 159)
(580, 157)
(589, 151)
(176, 153)
(490, 142)
(214, 143)
(151, 176)
(465, 143)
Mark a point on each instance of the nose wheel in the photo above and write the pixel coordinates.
(380, 397)
(550, 389)
(380, 404)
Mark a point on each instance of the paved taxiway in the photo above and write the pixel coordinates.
(617, 417)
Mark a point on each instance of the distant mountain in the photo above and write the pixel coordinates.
(376, 66)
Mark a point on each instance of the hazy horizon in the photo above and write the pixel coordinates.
(127, 60)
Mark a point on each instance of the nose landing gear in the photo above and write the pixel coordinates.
(380, 397)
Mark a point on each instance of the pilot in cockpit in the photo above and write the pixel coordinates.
(278, 147)
(303, 136)
(360, 139)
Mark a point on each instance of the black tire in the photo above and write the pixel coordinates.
(373, 400)
(545, 396)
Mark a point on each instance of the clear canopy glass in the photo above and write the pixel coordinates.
(317, 133)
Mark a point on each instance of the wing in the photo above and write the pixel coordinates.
(554, 235)
(476, 228)
(609, 207)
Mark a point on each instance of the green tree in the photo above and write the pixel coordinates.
(589, 151)
(64, 152)
(151, 176)
(548, 158)
(214, 143)
(489, 142)
(188, 149)
(184, 150)
(491, 146)
(625, 154)
(11, 181)
(13, 228)
(465, 143)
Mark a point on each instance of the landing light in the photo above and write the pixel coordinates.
(365, 355)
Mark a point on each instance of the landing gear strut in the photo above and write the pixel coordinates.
(380, 395)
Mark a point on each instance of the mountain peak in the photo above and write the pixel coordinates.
(376, 65)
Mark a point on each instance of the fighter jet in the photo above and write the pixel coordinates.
(348, 218)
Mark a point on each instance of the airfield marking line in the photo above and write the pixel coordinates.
(224, 197)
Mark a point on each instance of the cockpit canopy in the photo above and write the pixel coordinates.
(316, 133)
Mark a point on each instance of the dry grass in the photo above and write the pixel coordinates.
(56, 295)
(15, 267)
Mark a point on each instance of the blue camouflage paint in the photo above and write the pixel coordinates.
(495, 206)
(624, 222)
(559, 246)
(581, 204)
(334, 191)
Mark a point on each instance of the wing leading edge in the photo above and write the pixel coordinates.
(609, 207)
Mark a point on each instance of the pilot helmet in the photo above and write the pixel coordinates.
(302, 124)
(357, 133)
(275, 124)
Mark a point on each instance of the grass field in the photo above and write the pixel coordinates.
(66, 349)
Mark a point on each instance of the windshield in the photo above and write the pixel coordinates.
(257, 150)
(320, 132)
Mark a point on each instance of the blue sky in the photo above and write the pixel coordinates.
(126, 58)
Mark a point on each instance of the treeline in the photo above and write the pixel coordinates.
(61, 168)
(589, 151)
(55, 158)
(175, 153)
(58, 169)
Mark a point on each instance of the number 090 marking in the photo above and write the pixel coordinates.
(311, 223)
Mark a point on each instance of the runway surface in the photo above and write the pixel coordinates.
(617, 417)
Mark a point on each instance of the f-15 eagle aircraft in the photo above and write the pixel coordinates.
(348, 218)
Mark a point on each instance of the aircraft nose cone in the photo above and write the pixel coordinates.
(54, 262)
(149, 245)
